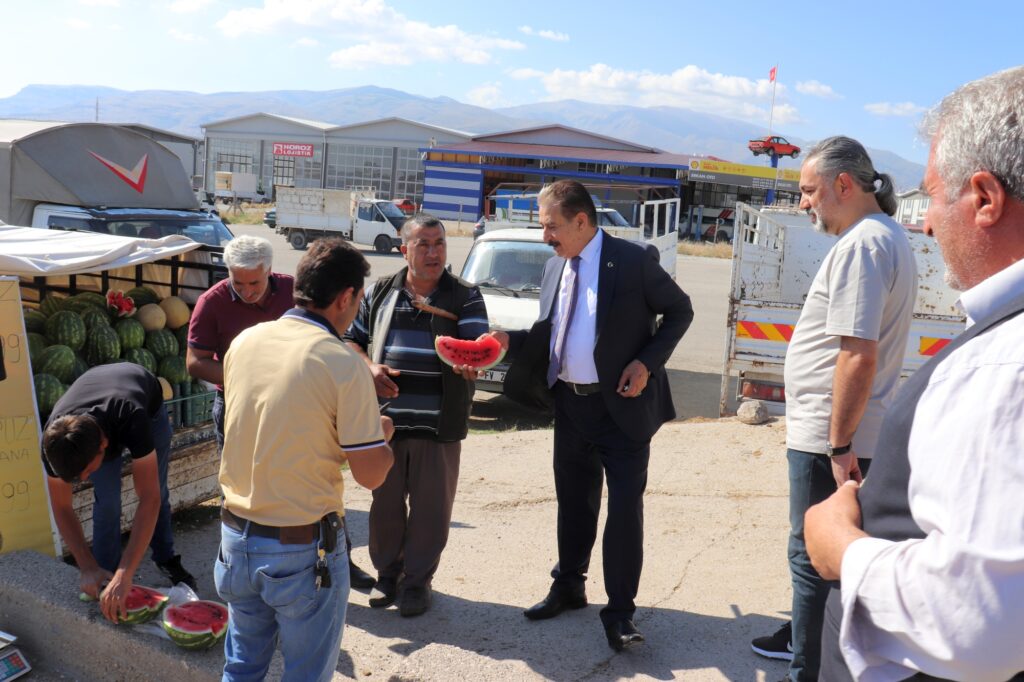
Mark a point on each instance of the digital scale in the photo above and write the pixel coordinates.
(12, 662)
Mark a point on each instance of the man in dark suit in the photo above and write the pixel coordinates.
(598, 354)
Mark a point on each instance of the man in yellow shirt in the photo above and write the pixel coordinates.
(301, 404)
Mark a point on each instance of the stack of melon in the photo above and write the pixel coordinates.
(69, 334)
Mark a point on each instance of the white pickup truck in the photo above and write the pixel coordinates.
(508, 264)
(304, 214)
(776, 254)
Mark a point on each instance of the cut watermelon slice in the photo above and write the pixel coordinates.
(479, 355)
(196, 624)
(142, 604)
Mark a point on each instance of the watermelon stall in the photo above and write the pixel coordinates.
(90, 299)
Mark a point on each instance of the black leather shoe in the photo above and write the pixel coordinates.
(556, 602)
(414, 601)
(622, 634)
(358, 578)
(384, 593)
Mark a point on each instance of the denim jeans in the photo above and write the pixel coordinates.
(106, 510)
(272, 598)
(810, 482)
(218, 420)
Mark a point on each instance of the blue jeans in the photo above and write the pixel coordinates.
(272, 597)
(106, 510)
(810, 482)
(218, 420)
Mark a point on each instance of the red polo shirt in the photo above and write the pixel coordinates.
(220, 315)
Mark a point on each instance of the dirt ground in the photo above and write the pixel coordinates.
(715, 571)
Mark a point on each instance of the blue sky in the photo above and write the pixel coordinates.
(863, 69)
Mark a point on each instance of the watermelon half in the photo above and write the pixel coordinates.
(479, 355)
(142, 604)
(196, 624)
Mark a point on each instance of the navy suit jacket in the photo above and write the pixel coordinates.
(632, 291)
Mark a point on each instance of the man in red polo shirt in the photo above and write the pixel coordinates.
(251, 294)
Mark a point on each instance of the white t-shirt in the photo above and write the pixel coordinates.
(865, 288)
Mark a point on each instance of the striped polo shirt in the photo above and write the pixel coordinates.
(409, 348)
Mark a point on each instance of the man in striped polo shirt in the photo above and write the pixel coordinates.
(429, 404)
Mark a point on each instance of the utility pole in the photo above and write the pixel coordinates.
(97, 110)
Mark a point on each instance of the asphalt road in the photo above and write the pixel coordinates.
(695, 367)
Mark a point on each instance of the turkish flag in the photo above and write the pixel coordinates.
(771, 74)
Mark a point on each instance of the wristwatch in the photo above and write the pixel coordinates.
(832, 451)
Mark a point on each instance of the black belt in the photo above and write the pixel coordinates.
(288, 535)
(583, 389)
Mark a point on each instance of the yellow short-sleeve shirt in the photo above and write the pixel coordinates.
(296, 399)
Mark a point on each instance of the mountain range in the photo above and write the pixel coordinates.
(672, 129)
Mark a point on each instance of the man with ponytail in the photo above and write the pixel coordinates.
(843, 361)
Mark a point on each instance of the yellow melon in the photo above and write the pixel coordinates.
(176, 310)
(166, 386)
(151, 317)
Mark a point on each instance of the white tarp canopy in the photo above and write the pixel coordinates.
(35, 252)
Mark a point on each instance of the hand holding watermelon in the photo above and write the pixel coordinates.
(469, 358)
(92, 581)
(114, 597)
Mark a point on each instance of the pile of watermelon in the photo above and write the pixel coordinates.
(196, 624)
(69, 334)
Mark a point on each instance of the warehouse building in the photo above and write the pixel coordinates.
(280, 150)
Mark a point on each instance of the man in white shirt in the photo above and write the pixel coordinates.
(844, 358)
(931, 548)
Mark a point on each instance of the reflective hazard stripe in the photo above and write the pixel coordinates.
(764, 331)
(930, 346)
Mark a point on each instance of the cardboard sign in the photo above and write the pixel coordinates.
(25, 521)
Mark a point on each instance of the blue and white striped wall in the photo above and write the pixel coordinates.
(453, 193)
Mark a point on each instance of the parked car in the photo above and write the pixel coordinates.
(270, 218)
(773, 144)
(406, 206)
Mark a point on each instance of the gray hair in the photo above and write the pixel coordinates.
(248, 253)
(980, 127)
(841, 154)
(419, 220)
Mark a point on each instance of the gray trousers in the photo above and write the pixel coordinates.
(409, 539)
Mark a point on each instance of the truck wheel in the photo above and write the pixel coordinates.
(382, 244)
(297, 239)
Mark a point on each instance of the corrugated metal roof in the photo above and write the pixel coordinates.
(580, 154)
(319, 125)
(492, 137)
(399, 119)
(12, 129)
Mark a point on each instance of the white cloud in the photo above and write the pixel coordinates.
(486, 95)
(188, 6)
(691, 87)
(816, 89)
(306, 42)
(550, 35)
(894, 109)
(375, 33)
(100, 3)
(183, 36)
(78, 24)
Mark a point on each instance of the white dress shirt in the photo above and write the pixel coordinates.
(578, 351)
(952, 604)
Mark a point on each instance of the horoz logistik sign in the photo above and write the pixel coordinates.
(292, 149)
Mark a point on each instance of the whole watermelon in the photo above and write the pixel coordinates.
(103, 346)
(48, 392)
(36, 344)
(79, 306)
(93, 316)
(161, 343)
(35, 321)
(81, 367)
(141, 356)
(142, 296)
(173, 369)
(131, 333)
(58, 361)
(98, 300)
(181, 334)
(50, 305)
(66, 328)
